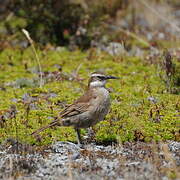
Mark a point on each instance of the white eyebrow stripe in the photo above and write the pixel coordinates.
(95, 75)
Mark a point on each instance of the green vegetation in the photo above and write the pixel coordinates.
(142, 108)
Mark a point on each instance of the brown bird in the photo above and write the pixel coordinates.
(87, 110)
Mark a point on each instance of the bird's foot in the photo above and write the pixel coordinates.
(91, 133)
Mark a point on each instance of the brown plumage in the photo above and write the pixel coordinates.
(78, 107)
(87, 110)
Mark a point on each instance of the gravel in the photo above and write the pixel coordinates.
(64, 160)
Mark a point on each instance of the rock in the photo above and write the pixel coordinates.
(115, 49)
(65, 159)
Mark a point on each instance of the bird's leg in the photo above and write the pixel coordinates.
(78, 136)
(91, 132)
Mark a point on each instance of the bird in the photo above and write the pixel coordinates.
(88, 109)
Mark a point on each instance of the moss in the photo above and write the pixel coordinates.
(133, 116)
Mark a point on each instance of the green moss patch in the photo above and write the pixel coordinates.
(141, 108)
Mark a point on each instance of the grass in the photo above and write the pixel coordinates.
(142, 109)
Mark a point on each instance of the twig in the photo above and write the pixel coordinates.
(78, 68)
(26, 33)
(69, 168)
(133, 35)
(165, 19)
(168, 157)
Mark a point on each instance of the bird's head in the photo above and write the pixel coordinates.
(99, 79)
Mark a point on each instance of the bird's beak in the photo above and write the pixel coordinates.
(112, 77)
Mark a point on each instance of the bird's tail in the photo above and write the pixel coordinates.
(56, 122)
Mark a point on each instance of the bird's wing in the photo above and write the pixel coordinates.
(79, 106)
(71, 110)
(74, 109)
